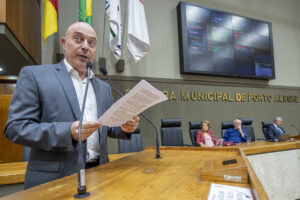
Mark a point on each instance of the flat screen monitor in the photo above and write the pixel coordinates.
(214, 42)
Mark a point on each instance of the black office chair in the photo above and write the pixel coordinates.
(247, 125)
(171, 132)
(26, 153)
(133, 145)
(194, 127)
(225, 126)
(264, 126)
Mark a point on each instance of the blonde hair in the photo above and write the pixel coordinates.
(205, 122)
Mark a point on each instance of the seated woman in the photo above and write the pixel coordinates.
(205, 137)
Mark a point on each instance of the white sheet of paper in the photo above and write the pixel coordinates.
(142, 96)
(226, 192)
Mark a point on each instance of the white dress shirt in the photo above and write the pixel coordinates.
(208, 141)
(278, 129)
(90, 113)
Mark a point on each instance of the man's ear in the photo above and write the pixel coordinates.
(63, 42)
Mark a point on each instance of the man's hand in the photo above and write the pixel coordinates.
(87, 129)
(241, 131)
(130, 126)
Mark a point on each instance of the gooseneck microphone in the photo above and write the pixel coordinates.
(81, 164)
(292, 125)
(104, 72)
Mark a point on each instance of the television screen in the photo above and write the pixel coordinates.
(214, 42)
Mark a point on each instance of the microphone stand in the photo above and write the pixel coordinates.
(81, 167)
(157, 156)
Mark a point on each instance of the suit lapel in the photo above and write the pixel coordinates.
(97, 90)
(67, 84)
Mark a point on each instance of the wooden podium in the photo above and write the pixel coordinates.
(216, 170)
(177, 175)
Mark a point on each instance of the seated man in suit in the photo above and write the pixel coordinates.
(274, 131)
(46, 106)
(236, 134)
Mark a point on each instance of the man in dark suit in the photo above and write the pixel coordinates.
(274, 131)
(46, 106)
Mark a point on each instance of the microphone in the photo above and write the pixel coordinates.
(157, 156)
(292, 125)
(81, 166)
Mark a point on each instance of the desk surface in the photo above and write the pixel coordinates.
(139, 175)
(12, 172)
(265, 147)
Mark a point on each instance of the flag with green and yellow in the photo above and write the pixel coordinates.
(85, 11)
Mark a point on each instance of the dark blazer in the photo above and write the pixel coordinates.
(42, 109)
(273, 133)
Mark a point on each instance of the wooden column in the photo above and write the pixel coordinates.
(9, 152)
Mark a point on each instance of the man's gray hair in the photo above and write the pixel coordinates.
(278, 119)
(237, 120)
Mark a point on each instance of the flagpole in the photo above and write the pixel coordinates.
(123, 28)
(103, 37)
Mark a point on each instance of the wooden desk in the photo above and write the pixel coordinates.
(264, 146)
(140, 176)
(12, 173)
(117, 156)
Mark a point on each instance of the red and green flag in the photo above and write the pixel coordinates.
(50, 18)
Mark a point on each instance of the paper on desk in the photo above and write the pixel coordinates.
(226, 192)
(142, 96)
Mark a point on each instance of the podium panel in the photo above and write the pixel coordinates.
(279, 173)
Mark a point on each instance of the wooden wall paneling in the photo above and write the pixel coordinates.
(26, 26)
(2, 11)
(9, 152)
(24, 20)
(6, 88)
(11, 16)
(36, 31)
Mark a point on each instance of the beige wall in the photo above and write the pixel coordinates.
(163, 61)
(214, 111)
(161, 65)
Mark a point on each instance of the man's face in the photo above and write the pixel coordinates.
(80, 45)
(237, 124)
(278, 122)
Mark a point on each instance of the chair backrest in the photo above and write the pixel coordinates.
(26, 153)
(247, 125)
(171, 132)
(264, 126)
(225, 126)
(194, 127)
(133, 145)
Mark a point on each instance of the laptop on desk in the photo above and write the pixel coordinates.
(284, 137)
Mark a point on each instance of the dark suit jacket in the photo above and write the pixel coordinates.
(42, 109)
(273, 133)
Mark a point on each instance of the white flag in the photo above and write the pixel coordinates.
(138, 42)
(113, 10)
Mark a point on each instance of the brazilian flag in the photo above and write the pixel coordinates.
(85, 11)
